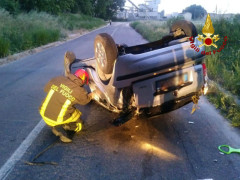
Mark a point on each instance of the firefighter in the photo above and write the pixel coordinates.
(58, 109)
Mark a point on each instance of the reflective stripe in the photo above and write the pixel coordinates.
(75, 116)
(44, 105)
(63, 111)
(79, 127)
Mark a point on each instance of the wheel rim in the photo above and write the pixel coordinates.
(179, 32)
(101, 55)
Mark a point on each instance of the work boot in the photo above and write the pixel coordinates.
(63, 137)
(123, 118)
(69, 57)
(74, 127)
(68, 127)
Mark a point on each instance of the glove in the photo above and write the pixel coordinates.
(69, 58)
(92, 95)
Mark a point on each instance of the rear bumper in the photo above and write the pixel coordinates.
(148, 92)
(170, 105)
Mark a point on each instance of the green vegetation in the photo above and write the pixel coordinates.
(97, 8)
(197, 11)
(25, 24)
(79, 21)
(154, 30)
(26, 31)
(226, 103)
(223, 67)
(151, 30)
(29, 30)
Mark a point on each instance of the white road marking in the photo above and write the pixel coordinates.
(19, 152)
(114, 32)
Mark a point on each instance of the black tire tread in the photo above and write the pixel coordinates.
(110, 50)
(187, 26)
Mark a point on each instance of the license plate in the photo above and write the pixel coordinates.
(171, 83)
(185, 77)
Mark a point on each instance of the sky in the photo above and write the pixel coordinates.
(170, 6)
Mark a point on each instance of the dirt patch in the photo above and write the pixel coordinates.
(14, 57)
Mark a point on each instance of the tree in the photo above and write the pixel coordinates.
(106, 9)
(236, 18)
(50, 6)
(12, 6)
(113, 7)
(83, 6)
(196, 10)
(100, 8)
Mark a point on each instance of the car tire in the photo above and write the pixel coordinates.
(187, 27)
(106, 52)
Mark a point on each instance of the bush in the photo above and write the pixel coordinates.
(226, 103)
(135, 24)
(79, 21)
(41, 36)
(11, 6)
(4, 47)
(29, 30)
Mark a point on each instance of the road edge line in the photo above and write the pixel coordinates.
(20, 151)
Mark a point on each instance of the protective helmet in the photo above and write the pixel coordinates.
(83, 75)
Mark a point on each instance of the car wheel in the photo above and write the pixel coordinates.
(183, 27)
(105, 52)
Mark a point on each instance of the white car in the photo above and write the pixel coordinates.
(156, 77)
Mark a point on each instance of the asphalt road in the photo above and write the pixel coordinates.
(175, 145)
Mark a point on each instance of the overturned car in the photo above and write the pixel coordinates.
(156, 77)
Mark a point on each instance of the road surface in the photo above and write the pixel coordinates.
(175, 145)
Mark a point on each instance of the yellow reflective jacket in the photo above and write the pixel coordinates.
(62, 94)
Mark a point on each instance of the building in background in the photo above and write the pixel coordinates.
(147, 10)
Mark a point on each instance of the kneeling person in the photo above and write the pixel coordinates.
(58, 109)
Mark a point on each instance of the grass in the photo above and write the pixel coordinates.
(25, 31)
(151, 30)
(225, 103)
(28, 30)
(79, 21)
(223, 67)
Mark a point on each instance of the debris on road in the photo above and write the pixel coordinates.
(228, 150)
(35, 163)
(195, 103)
(190, 122)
